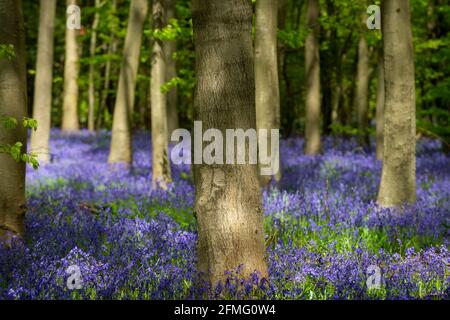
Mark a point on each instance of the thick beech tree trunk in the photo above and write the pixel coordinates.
(228, 199)
(42, 104)
(312, 67)
(121, 151)
(266, 72)
(71, 70)
(13, 103)
(398, 178)
(160, 137)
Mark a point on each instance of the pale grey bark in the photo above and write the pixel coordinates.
(398, 178)
(312, 67)
(160, 138)
(266, 72)
(13, 103)
(70, 120)
(121, 151)
(228, 198)
(42, 103)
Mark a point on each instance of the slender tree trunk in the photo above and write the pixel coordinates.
(160, 137)
(266, 73)
(112, 48)
(398, 178)
(328, 59)
(91, 111)
(121, 151)
(312, 67)
(171, 72)
(228, 199)
(431, 19)
(42, 105)
(362, 91)
(282, 13)
(283, 84)
(338, 96)
(290, 111)
(338, 109)
(71, 71)
(380, 106)
(144, 101)
(327, 92)
(13, 103)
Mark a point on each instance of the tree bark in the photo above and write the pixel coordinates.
(70, 121)
(362, 91)
(13, 103)
(266, 73)
(398, 178)
(380, 107)
(329, 56)
(42, 105)
(112, 48)
(312, 67)
(281, 21)
(91, 93)
(228, 198)
(121, 151)
(170, 48)
(160, 137)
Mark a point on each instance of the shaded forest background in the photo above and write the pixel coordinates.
(340, 31)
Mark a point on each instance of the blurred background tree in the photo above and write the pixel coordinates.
(341, 28)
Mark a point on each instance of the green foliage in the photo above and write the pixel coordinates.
(15, 151)
(7, 51)
(293, 39)
(172, 32)
(341, 24)
(431, 31)
(8, 122)
(29, 123)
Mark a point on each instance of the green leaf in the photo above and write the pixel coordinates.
(15, 151)
(7, 51)
(30, 123)
(8, 122)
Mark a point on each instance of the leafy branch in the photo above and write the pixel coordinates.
(15, 151)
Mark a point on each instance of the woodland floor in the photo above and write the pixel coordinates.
(323, 228)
